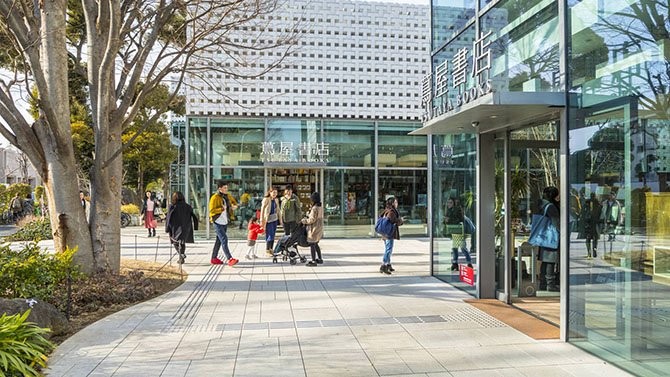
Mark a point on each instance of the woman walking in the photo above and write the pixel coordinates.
(149, 206)
(270, 218)
(314, 222)
(180, 223)
(391, 211)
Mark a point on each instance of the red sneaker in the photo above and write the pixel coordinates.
(232, 261)
(216, 261)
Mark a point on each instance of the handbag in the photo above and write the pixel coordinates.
(543, 233)
(384, 227)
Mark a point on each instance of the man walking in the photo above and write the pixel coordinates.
(219, 214)
(290, 210)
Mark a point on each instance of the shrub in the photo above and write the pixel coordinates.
(36, 230)
(22, 346)
(32, 272)
(131, 209)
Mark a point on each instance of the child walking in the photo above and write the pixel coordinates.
(254, 230)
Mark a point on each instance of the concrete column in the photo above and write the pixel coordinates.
(486, 255)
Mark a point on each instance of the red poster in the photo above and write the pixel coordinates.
(466, 274)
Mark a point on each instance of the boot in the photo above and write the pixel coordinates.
(454, 266)
(384, 269)
(153, 230)
(149, 232)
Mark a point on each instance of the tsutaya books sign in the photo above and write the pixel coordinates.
(438, 102)
(290, 152)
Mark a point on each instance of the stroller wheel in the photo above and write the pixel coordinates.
(303, 259)
(274, 260)
(293, 261)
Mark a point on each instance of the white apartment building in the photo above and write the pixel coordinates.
(333, 117)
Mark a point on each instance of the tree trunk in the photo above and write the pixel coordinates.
(60, 179)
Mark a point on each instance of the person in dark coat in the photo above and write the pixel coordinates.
(591, 223)
(180, 224)
(391, 211)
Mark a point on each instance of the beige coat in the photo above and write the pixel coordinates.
(265, 210)
(314, 221)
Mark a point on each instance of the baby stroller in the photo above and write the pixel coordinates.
(287, 247)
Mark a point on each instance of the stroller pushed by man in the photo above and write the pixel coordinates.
(287, 247)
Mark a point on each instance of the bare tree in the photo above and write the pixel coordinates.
(125, 49)
(23, 164)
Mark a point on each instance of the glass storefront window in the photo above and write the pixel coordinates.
(410, 187)
(247, 187)
(348, 201)
(287, 135)
(197, 195)
(397, 149)
(351, 143)
(449, 18)
(454, 164)
(619, 171)
(524, 45)
(197, 141)
(236, 142)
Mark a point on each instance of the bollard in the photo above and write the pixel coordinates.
(158, 239)
(136, 247)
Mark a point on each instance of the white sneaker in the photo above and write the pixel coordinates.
(248, 257)
(254, 256)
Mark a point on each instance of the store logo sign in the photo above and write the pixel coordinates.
(457, 74)
(290, 152)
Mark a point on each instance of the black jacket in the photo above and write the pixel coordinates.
(181, 222)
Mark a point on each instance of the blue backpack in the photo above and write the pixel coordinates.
(384, 227)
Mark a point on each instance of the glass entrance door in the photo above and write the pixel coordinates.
(527, 161)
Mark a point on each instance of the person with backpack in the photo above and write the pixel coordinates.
(391, 212)
(290, 210)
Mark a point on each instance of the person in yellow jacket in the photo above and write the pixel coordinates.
(220, 209)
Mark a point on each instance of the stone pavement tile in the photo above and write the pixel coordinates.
(289, 366)
(308, 314)
(419, 360)
(384, 337)
(500, 372)
(387, 362)
(327, 340)
(460, 358)
(176, 368)
(210, 367)
(222, 348)
(133, 368)
(338, 364)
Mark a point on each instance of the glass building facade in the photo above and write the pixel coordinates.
(526, 94)
(358, 165)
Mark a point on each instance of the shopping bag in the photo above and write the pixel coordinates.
(543, 233)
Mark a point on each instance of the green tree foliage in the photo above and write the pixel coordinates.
(149, 152)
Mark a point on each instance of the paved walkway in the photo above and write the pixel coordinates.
(342, 318)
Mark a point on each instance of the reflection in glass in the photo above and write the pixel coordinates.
(449, 17)
(396, 148)
(197, 141)
(349, 200)
(454, 164)
(619, 142)
(410, 188)
(236, 142)
(524, 46)
(350, 143)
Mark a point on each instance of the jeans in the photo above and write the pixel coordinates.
(454, 255)
(221, 241)
(388, 250)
